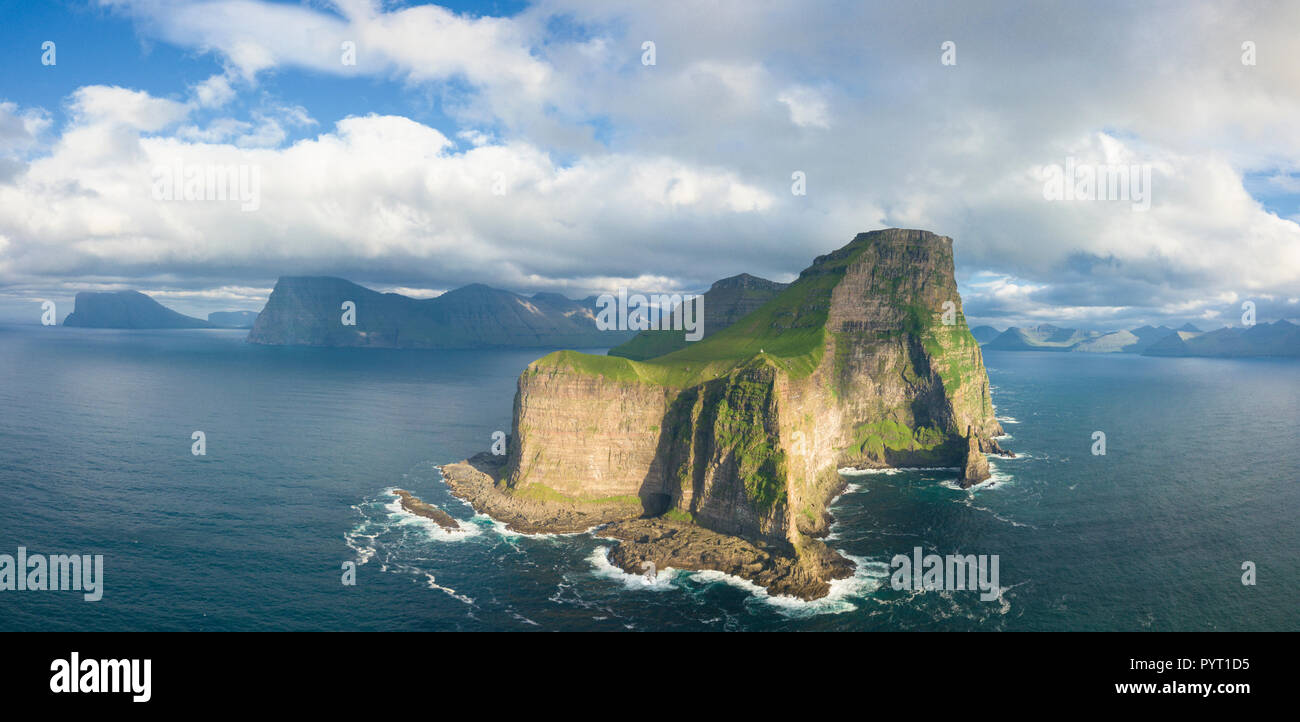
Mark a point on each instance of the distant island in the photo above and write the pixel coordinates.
(126, 309)
(724, 454)
(232, 319)
(1280, 338)
(308, 311)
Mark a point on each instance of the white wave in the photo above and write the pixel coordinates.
(1007, 419)
(505, 531)
(867, 577)
(662, 581)
(433, 584)
(360, 538)
(890, 471)
(402, 517)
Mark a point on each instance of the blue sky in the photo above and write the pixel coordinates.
(529, 146)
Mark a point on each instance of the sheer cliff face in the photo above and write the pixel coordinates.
(852, 365)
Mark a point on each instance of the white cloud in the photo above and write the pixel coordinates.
(131, 109)
(214, 92)
(681, 170)
(807, 107)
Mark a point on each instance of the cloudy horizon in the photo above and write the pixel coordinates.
(575, 147)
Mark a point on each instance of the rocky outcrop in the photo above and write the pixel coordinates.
(977, 465)
(478, 481)
(419, 508)
(681, 545)
(864, 361)
(308, 311)
(126, 309)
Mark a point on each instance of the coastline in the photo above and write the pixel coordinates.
(804, 573)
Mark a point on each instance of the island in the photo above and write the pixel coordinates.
(725, 453)
(126, 309)
(232, 319)
(308, 311)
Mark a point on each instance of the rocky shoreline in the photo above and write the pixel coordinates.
(805, 574)
(476, 481)
(680, 545)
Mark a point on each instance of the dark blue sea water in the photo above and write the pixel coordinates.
(1202, 473)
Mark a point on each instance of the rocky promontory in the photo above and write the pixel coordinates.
(864, 361)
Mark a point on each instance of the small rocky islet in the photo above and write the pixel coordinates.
(415, 506)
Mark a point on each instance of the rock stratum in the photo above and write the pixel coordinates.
(725, 454)
(308, 311)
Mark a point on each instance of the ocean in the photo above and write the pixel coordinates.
(1201, 474)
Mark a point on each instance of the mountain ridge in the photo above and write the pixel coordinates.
(309, 311)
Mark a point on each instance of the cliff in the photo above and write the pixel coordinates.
(726, 302)
(741, 434)
(307, 311)
(126, 309)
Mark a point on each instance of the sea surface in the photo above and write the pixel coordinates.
(1201, 474)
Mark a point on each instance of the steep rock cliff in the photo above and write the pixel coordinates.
(742, 433)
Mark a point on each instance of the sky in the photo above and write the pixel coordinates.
(539, 147)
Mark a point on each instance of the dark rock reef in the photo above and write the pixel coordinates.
(426, 510)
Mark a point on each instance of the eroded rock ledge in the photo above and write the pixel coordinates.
(476, 480)
(782, 570)
(680, 545)
(426, 510)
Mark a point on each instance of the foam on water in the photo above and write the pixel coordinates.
(890, 471)
(402, 517)
(603, 567)
(867, 577)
